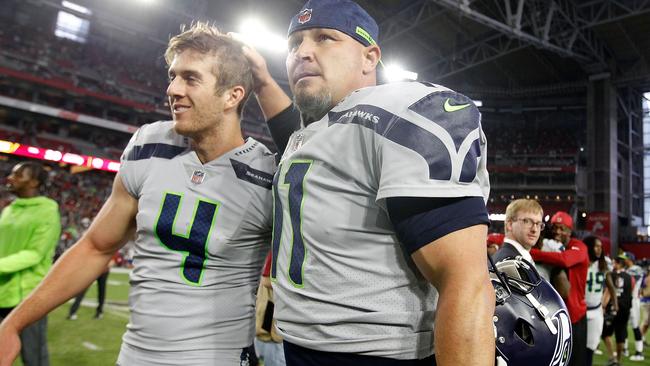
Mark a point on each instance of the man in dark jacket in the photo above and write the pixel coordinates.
(523, 226)
(623, 283)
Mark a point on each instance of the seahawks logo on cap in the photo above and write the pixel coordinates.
(304, 16)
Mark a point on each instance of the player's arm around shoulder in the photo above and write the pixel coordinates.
(456, 265)
(573, 256)
(75, 270)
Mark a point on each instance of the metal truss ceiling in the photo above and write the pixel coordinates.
(559, 26)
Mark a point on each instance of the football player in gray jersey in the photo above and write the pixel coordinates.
(198, 196)
(380, 218)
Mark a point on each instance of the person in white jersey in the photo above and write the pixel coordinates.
(199, 197)
(599, 279)
(637, 273)
(380, 221)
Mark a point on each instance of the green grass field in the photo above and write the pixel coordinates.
(87, 341)
(90, 342)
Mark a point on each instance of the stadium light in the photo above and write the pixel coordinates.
(76, 7)
(395, 72)
(15, 148)
(255, 33)
(478, 103)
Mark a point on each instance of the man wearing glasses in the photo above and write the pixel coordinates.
(523, 226)
(575, 259)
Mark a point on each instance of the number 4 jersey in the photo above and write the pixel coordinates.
(203, 231)
(343, 281)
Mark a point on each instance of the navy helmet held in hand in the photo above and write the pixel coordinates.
(531, 321)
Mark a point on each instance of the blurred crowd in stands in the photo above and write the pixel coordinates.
(507, 142)
(47, 132)
(92, 66)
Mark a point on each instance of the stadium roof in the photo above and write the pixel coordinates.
(497, 46)
(481, 47)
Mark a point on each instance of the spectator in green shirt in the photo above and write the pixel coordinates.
(29, 231)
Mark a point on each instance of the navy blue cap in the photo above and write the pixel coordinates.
(343, 15)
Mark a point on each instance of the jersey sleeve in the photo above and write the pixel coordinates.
(283, 125)
(132, 169)
(261, 209)
(255, 170)
(420, 221)
(432, 147)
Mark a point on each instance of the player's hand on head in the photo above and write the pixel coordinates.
(261, 75)
(9, 345)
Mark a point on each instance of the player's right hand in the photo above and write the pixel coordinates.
(9, 345)
(261, 75)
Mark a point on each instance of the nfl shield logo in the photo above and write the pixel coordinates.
(197, 177)
(304, 16)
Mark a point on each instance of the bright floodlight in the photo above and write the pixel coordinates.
(76, 7)
(256, 34)
(397, 73)
(478, 103)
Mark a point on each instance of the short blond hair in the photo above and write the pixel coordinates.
(232, 67)
(522, 205)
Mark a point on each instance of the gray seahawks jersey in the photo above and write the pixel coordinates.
(343, 281)
(595, 286)
(203, 231)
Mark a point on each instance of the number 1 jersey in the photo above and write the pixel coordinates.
(203, 231)
(343, 281)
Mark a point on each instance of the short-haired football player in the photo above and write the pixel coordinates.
(199, 197)
(380, 220)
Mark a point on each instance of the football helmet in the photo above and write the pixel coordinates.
(531, 322)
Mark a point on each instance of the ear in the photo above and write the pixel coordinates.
(508, 226)
(371, 57)
(234, 96)
(33, 183)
